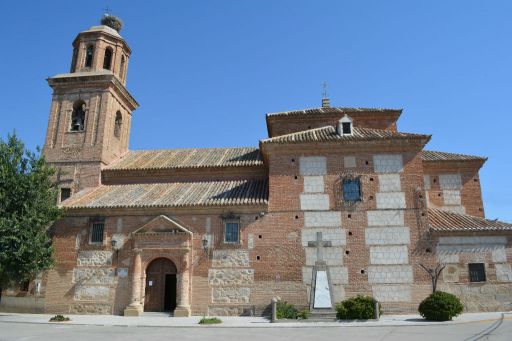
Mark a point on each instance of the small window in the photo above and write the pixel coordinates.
(107, 60)
(476, 272)
(351, 190)
(97, 233)
(78, 116)
(89, 54)
(347, 128)
(64, 193)
(231, 232)
(117, 125)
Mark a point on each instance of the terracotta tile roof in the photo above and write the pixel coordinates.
(330, 110)
(178, 194)
(329, 134)
(429, 155)
(189, 158)
(446, 221)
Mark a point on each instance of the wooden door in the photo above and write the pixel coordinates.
(157, 292)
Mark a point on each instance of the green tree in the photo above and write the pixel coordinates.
(27, 209)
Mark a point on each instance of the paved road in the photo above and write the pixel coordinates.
(484, 330)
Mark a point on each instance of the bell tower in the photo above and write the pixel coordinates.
(91, 110)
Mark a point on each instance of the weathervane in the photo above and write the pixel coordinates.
(324, 93)
(106, 10)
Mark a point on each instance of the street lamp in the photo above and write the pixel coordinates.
(205, 243)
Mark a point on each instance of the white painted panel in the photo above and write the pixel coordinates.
(314, 202)
(392, 293)
(339, 275)
(504, 272)
(389, 183)
(307, 275)
(450, 181)
(322, 219)
(473, 240)
(426, 180)
(314, 184)
(456, 209)
(499, 254)
(390, 274)
(332, 256)
(313, 165)
(388, 163)
(385, 218)
(336, 236)
(446, 258)
(389, 255)
(451, 197)
(349, 161)
(390, 200)
(387, 235)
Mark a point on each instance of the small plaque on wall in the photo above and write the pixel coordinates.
(122, 272)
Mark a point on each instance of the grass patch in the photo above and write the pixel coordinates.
(210, 320)
(60, 318)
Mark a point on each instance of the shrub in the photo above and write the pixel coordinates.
(356, 308)
(210, 320)
(440, 306)
(59, 318)
(286, 311)
(303, 315)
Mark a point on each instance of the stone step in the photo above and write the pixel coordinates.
(326, 315)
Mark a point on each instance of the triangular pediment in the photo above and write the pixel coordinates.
(162, 225)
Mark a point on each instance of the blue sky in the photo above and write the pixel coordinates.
(206, 72)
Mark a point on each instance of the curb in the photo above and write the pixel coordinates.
(276, 325)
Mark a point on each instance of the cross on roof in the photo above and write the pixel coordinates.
(319, 244)
(324, 93)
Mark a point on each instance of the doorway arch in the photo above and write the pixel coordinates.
(160, 292)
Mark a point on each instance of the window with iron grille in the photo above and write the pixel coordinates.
(231, 232)
(476, 272)
(97, 232)
(351, 190)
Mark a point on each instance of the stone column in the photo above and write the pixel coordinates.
(135, 307)
(183, 308)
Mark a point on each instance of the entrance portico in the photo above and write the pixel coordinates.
(163, 248)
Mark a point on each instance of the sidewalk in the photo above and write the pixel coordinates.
(162, 320)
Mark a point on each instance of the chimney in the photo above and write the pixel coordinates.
(325, 103)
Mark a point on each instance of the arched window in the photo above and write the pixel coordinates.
(78, 116)
(117, 125)
(107, 60)
(121, 67)
(89, 54)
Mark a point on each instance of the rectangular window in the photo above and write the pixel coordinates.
(351, 190)
(476, 272)
(97, 233)
(346, 128)
(231, 232)
(64, 193)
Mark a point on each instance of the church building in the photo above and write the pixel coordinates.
(333, 203)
